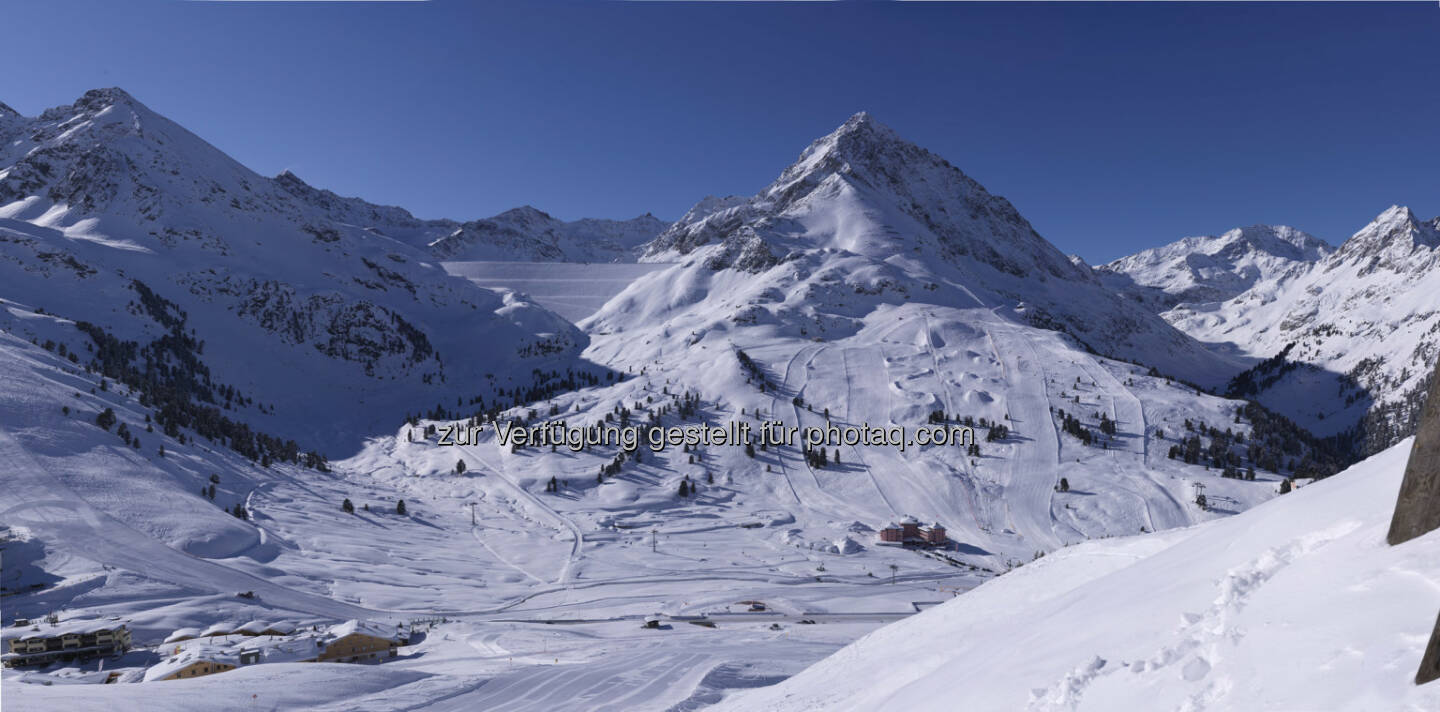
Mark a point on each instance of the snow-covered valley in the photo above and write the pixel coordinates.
(214, 383)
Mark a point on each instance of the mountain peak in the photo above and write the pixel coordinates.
(861, 121)
(288, 177)
(525, 213)
(861, 149)
(859, 134)
(94, 103)
(1390, 238)
(1279, 240)
(97, 100)
(864, 189)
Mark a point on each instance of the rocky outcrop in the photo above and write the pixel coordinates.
(1417, 511)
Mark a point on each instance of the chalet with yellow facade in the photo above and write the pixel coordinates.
(354, 641)
(196, 662)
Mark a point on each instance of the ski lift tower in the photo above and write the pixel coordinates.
(1200, 497)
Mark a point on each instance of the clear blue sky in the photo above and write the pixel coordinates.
(1111, 127)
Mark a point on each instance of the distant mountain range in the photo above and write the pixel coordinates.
(1350, 335)
(1212, 268)
(523, 234)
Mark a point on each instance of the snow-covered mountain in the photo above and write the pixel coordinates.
(523, 234)
(527, 234)
(1212, 268)
(1259, 611)
(1347, 337)
(874, 283)
(864, 211)
(113, 215)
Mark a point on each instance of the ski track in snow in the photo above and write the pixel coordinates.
(577, 541)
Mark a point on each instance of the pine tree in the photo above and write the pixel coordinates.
(459, 467)
(684, 488)
(348, 506)
(106, 419)
(400, 507)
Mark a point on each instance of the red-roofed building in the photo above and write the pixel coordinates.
(909, 532)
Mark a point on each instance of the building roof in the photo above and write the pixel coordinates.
(218, 629)
(282, 650)
(41, 629)
(182, 634)
(281, 627)
(909, 520)
(272, 649)
(371, 628)
(188, 656)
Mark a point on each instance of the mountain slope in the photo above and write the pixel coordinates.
(874, 284)
(1242, 613)
(1212, 268)
(1359, 331)
(114, 215)
(908, 225)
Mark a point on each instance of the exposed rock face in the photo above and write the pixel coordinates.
(1417, 511)
(1430, 664)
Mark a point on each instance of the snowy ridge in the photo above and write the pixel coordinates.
(1212, 268)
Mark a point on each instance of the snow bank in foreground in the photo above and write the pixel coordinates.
(1295, 605)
